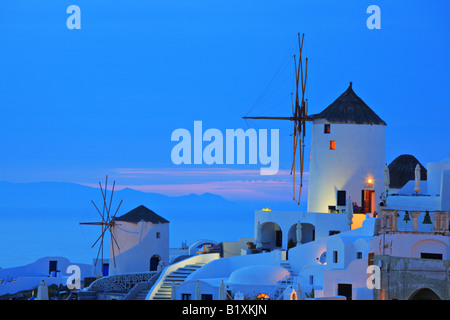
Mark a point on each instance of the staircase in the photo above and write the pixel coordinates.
(178, 276)
(277, 293)
(285, 282)
(285, 264)
(141, 295)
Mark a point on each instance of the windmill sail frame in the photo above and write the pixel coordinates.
(107, 222)
(299, 114)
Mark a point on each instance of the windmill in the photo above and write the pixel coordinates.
(107, 221)
(299, 114)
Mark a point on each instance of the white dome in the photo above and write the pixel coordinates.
(258, 274)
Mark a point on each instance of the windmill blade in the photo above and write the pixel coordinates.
(112, 248)
(306, 109)
(114, 238)
(306, 75)
(103, 219)
(299, 108)
(98, 253)
(104, 194)
(117, 209)
(301, 172)
(101, 236)
(293, 160)
(110, 200)
(92, 223)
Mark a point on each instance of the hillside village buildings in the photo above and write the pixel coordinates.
(361, 238)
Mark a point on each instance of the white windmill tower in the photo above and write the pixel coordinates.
(347, 155)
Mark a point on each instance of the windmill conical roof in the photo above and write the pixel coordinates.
(349, 108)
(141, 213)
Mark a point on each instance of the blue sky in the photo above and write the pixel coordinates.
(79, 104)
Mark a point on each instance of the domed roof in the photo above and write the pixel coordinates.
(349, 108)
(258, 275)
(402, 169)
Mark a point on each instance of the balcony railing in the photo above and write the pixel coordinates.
(400, 221)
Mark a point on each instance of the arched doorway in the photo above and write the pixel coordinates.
(271, 235)
(308, 234)
(424, 294)
(154, 261)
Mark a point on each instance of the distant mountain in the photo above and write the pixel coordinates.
(42, 218)
(191, 216)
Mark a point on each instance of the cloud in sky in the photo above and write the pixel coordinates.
(232, 184)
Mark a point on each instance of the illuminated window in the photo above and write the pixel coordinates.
(262, 296)
(326, 128)
(332, 144)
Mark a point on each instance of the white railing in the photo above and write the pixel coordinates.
(121, 283)
(201, 258)
(277, 292)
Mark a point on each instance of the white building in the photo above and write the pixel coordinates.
(324, 253)
(51, 270)
(413, 238)
(434, 193)
(335, 265)
(140, 242)
(347, 155)
(347, 160)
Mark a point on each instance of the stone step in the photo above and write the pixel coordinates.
(162, 298)
(182, 273)
(170, 283)
(176, 277)
(171, 277)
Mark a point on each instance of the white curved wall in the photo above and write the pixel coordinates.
(359, 154)
(137, 244)
(430, 246)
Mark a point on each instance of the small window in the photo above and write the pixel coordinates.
(335, 256)
(207, 296)
(359, 255)
(311, 279)
(52, 266)
(333, 232)
(341, 198)
(326, 128)
(158, 235)
(332, 145)
(185, 296)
